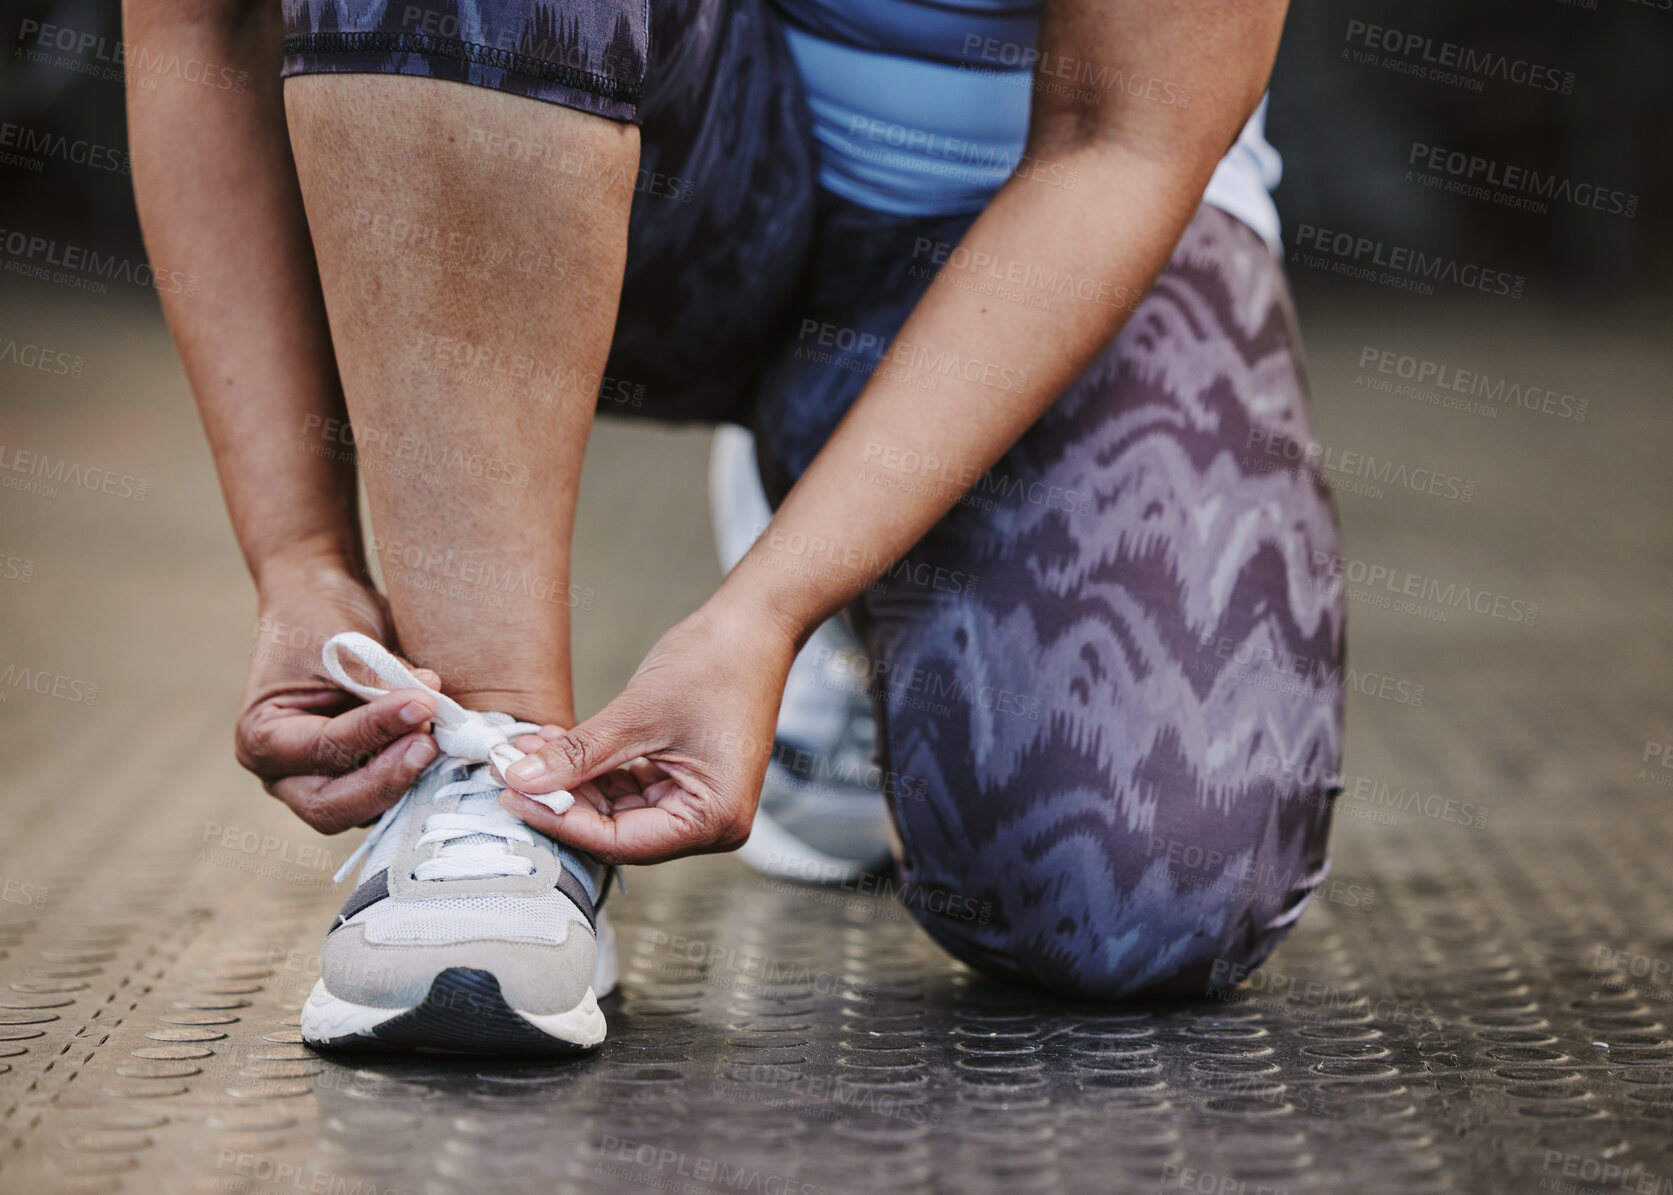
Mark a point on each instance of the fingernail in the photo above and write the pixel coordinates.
(419, 754)
(529, 767)
(413, 712)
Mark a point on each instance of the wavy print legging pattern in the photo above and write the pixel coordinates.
(1112, 675)
(1109, 682)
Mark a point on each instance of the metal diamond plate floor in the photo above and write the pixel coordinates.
(1481, 1004)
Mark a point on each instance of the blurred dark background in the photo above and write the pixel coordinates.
(1346, 129)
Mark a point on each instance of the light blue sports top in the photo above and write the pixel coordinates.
(921, 107)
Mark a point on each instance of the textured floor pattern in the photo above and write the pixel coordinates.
(1479, 1002)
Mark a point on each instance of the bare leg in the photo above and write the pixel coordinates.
(218, 200)
(472, 315)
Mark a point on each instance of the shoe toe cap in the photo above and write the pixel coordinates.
(541, 978)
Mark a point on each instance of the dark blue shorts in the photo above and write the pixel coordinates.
(589, 56)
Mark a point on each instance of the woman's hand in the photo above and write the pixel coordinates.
(673, 766)
(336, 761)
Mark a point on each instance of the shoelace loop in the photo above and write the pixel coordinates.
(471, 740)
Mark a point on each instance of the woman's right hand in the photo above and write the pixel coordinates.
(336, 761)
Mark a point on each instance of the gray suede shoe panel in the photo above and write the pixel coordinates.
(534, 977)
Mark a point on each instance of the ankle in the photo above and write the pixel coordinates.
(540, 706)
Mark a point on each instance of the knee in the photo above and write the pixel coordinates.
(1083, 940)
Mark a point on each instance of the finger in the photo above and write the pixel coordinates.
(349, 741)
(332, 805)
(646, 834)
(606, 836)
(618, 784)
(607, 740)
(590, 793)
(637, 782)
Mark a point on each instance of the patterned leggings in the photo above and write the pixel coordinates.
(1114, 670)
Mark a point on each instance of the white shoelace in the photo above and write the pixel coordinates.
(470, 845)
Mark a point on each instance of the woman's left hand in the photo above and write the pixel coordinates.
(673, 766)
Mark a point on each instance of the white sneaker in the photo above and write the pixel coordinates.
(469, 930)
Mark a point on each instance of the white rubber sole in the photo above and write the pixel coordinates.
(331, 1020)
(327, 1018)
